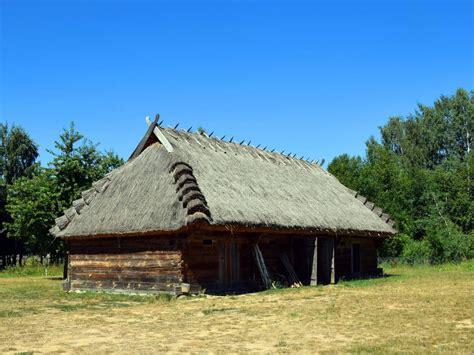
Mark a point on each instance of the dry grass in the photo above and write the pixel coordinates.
(422, 309)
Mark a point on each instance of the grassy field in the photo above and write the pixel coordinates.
(416, 309)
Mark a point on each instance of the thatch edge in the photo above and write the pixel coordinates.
(62, 222)
(379, 212)
(234, 228)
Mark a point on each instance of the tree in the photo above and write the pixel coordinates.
(18, 154)
(348, 170)
(421, 174)
(78, 163)
(33, 204)
(37, 198)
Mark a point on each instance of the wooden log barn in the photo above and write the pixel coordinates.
(192, 211)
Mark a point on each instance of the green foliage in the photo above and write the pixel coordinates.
(18, 153)
(347, 169)
(32, 270)
(448, 243)
(33, 204)
(421, 173)
(33, 196)
(78, 163)
(395, 246)
(416, 251)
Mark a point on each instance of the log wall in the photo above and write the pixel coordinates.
(214, 262)
(125, 264)
(368, 257)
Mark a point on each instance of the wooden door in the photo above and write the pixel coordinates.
(229, 268)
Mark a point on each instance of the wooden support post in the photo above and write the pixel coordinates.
(66, 266)
(267, 282)
(314, 267)
(221, 248)
(332, 242)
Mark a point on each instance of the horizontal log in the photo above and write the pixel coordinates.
(119, 249)
(124, 277)
(130, 256)
(110, 285)
(126, 263)
(132, 271)
(115, 243)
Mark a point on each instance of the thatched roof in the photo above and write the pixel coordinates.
(207, 182)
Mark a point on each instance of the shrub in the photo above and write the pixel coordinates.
(416, 251)
(393, 247)
(449, 244)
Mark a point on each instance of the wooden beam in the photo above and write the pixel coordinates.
(332, 243)
(314, 268)
(292, 276)
(66, 266)
(161, 137)
(141, 146)
(267, 282)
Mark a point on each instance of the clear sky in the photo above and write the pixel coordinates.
(312, 77)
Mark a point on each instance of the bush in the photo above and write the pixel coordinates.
(443, 242)
(393, 247)
(449, 244)
(416, 251)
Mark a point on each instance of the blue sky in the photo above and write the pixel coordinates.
(312, 77)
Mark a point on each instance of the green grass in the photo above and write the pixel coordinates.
(32, 270)
(415, 309)
(46, 293)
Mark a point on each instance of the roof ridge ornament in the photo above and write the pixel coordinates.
(161, 137)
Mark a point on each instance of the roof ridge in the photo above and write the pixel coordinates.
(214, 142)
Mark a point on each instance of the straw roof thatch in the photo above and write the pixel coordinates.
(211, 183)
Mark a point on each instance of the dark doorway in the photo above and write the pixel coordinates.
(325, 251)
(356, 258)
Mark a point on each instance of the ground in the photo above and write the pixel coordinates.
(415, 309)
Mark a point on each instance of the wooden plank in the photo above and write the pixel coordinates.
(333, 259)
(222, 272)
(126, 263)
(127, 256)
(267, 282)
(126, 271)
(66, 266)
(292, 277)
(161, 137)
(314, 266)
(109, 277)
(121, 285)
(144, 140)
(235, 261)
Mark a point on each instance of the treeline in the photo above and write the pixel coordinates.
(421, 172)
(32, 196)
